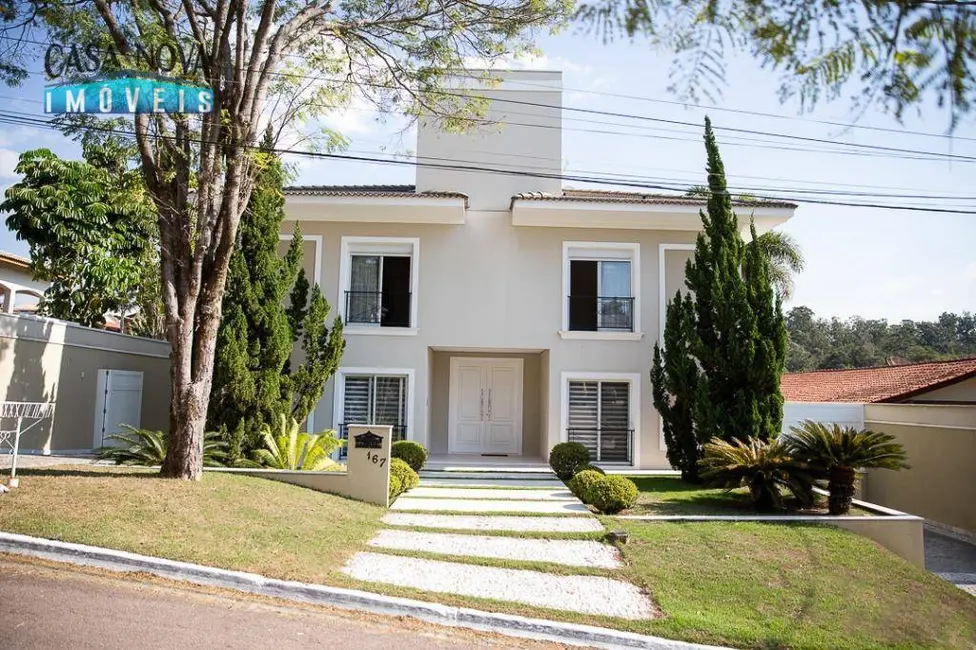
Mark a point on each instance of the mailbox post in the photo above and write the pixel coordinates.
(368, 463)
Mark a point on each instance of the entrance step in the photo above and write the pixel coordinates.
(493, 505)
(518, 483)
(578, 553)
(493, 474)
(512, 523)
(491, 493)
(584, 594)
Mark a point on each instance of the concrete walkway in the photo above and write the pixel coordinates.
(513, 509)
(951, 559)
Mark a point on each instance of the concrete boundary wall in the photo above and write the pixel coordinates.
(940, 441)
(44, 359)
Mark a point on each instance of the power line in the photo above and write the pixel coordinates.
(13, 119)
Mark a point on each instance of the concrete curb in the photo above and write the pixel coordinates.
(123, 562)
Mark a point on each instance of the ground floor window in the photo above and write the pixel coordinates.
(373, 399)
(599, 417)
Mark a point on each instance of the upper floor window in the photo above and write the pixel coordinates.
(378, 282)
(600, 282)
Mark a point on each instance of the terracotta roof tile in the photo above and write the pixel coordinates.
(381, 191)
(880, 384)
(614, 196)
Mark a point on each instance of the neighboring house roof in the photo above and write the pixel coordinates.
(9, 259)
(613, 196)
(879, 384)
(382, 191)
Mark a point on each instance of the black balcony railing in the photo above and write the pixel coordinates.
(342, 432)
(599, 313)
(607, 445)
(378, 308)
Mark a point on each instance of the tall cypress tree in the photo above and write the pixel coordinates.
(739, 337)
(674, 381)
(253, 378)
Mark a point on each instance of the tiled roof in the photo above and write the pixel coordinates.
(612, 196)
(382, 191)
(880, 384)
(14, 260)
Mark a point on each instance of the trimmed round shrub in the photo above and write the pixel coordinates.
(566, 458)
(592, 467)
(408, 478)
(396, 487)
(413, 453)
(611, 494)
(581, 483)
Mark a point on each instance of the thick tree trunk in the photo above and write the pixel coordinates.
(187, 419)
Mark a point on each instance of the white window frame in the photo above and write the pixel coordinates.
(602, 251)
(662, 311)
(317, 240)
(401, 246)
(634, 378)
(339, 394)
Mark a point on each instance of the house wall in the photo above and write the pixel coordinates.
(940, 441)
(963, 391)
(488, 285)
(440, 372)
(43, 359)
(843, 413)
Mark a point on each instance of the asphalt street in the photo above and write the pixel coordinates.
(43, 606)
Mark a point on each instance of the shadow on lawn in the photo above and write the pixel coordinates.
(107, 472)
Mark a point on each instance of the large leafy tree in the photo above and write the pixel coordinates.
(91, 229)
(262, 56)
(901, 54)
(739, 339)
(254, 383)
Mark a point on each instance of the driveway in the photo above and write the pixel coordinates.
(951, 559)
(45, 607)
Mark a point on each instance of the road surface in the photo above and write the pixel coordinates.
(52, 606)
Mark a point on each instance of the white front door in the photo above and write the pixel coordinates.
(486, 406)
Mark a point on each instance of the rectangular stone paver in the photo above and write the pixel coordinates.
(491, 493)
(495, 522)
(485, 505)
(570, 552)
(583, 594)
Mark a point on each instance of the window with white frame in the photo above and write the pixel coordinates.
(598, 416)
(374, 399)
(600, 283)
(378, 282)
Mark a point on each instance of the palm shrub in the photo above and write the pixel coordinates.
(148, 447)
(566, 458)
(837, 452)
(286, 447)
(611, 494)
(580, 483)
(766, 468)
(412, 453)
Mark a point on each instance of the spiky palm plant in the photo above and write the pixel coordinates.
(286, 447)
(836, 452)
(148, 447)
(766, 468)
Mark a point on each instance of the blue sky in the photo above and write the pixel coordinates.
(875, 263)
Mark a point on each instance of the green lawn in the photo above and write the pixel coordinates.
(669, 495)
(745, 585)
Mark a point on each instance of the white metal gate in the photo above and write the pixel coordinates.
(118, 402)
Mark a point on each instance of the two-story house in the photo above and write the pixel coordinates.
(489, 311)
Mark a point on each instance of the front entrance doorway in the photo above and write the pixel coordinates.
(485, 406)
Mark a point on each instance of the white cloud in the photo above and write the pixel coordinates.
(8, 160)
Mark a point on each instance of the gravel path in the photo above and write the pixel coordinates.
(580, 553)
(485, 505)
(494, 522)
(584, 594)
(492, 493)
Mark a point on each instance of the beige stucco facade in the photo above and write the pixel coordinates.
(43, 360)
(961, 391)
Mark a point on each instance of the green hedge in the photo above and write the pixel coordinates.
(566, 458)
(580, 484)
(413, 453)
(403, 475)
(611, 494)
